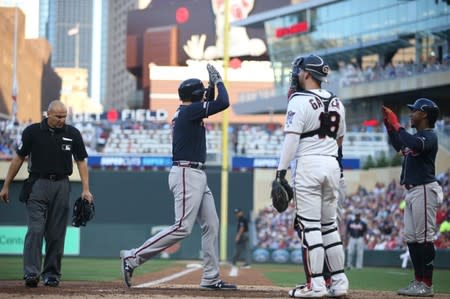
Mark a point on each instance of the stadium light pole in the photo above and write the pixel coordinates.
(76, 31)
(15, 84)
(224, 172)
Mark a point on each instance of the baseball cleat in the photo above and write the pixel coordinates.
(417, 289)
(127, 271)
(31, 280)
(220, 285)
(51, 282)
(305, 291)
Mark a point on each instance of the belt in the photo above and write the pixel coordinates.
(51, 177)
(410, 186)
(197, 165)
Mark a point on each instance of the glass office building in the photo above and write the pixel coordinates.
(361, 32)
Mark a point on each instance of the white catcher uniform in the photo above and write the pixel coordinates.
(310, 138)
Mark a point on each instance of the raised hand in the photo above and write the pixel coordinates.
(214, 75)
(390, 119)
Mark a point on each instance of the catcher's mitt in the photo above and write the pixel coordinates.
(281, 192)
(280, 199)
(83, 211)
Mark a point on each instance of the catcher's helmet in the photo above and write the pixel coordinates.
(313, 64)
(428, 106)
(191, 89)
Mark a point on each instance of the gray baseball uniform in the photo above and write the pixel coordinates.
(188, 182)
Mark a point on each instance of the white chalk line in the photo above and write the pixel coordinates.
(190, 268)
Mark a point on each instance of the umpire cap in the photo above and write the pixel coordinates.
(427, 106)
(313, 64)
(191, 89)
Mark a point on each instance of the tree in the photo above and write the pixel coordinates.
(369, 163)
(382, 161)
(396, 160)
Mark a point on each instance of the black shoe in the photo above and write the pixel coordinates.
(51, 282)
(127, 271)
(31, 280)
(220, 285)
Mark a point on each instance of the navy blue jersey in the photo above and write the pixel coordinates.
(419, 155)
(188, 130)
(356, 228)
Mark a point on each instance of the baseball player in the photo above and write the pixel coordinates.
(423, 193)
(356, 230)
(314, 128)
(188, 182)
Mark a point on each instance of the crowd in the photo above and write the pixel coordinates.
(381, 208)
(351, 74)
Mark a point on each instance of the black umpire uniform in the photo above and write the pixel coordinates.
(242, 239)
(46, 192)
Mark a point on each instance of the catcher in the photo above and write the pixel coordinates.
(314, 128)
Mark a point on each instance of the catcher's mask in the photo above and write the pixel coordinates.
(427, 106)
(191, 89)
(312, 64)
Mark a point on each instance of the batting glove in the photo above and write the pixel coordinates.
(214, 75)
(391, 118)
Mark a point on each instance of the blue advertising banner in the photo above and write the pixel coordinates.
(129, 161)
(272, 162)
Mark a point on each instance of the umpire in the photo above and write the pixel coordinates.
(241, 240)
(423, 193)
(49, 146)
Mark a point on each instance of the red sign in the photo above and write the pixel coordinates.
(293, 29)
(182, 15)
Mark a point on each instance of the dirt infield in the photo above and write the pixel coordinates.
(251, 284)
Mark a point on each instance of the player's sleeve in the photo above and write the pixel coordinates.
(200, 110)
(418, 143)
(288, 150)
(395, 140)
(342, 123)
(295, 116)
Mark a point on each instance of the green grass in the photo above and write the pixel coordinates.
(90, 269)
(381, 279)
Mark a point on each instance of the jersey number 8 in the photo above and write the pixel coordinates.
(329, 124)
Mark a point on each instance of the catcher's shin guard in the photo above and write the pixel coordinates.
(334, 250)
(312, 244)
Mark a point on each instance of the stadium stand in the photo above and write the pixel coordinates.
(381, 208)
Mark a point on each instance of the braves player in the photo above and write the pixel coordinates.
(315, 122)
(356, 231)
(188, 182)
(423, 193)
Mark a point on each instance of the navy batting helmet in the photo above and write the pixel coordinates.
(427, 106)
(191, 89)
(313, 64)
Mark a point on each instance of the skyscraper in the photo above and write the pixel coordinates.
(117, 84)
